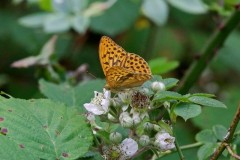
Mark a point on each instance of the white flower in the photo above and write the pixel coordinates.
(128, 148)
(164, 141)
(123, 151)
(158, 86)
(100, 103)
(125, 119)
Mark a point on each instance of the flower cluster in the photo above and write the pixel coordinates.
(132, 111)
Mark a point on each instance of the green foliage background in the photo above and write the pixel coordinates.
(170, 44)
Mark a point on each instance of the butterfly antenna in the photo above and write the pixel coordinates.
(91, 74)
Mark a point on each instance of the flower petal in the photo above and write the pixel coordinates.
(129, 147)
(107, 93)
(93, 108)
(105, 104)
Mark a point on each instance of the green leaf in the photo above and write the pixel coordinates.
(148, 84)
(78, 6)
(187, 110)
(206, 136)
(156, 10)
(190, 6)
(69, 6)
(45, 129)
(12, 150)
(212, 116)
(205, 151)
(203, 94)
(162, 65)
(205, 101)
(116, 19)
(55, 23)
(220, 132)
(80, 23)
(45, 5)
(167, 95)
(33, 20)
(71, 96)
(170, 82)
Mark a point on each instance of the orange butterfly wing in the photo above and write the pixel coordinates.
(122, 69)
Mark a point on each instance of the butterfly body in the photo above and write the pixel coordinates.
(122, 69)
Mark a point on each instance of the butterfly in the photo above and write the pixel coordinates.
(123, 70)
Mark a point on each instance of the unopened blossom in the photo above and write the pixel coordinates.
(144, 140)
(115, 137)
(90, 117)
(136, 118)
(164, 141)
(138, 114)
(147, 126)
(158, 86)
(111, 118)
(100, 103)
(125, 119)
(166, 104)
(123, 151)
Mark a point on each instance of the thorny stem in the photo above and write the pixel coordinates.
(209, 51)
(231, 152)
(229, 135)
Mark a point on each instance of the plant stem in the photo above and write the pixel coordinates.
(177, 147)
(231, 152)
(209, 51)
(191, 145)
(229, 135)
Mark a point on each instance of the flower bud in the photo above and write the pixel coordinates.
(90, 117)
(144, 140)
(158, 86)
(148, 126)
(115, 137)
(157, 127)
(116, 102)
(111, 118)
(136, 118)
(166, 104)
(125, 120)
